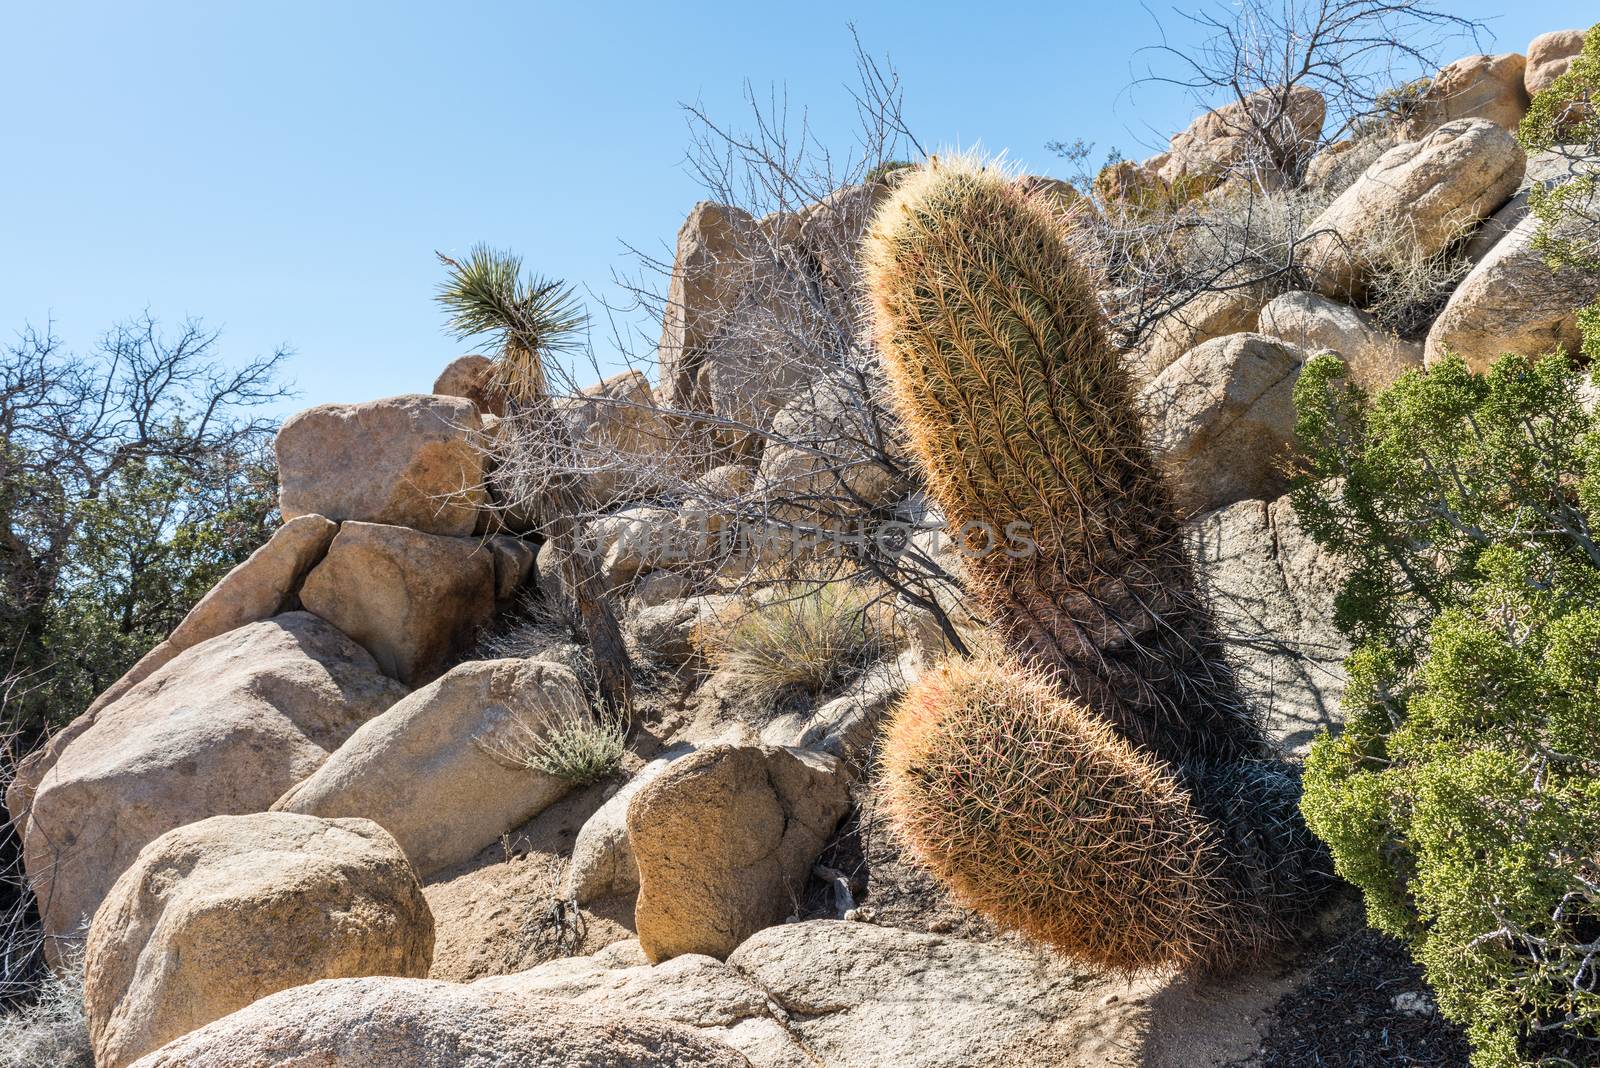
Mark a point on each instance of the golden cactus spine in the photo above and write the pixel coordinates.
(1016, 795)
(1021, 412)
(1102, 786)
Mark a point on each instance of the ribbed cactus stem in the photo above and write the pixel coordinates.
(1024, 418)
(1101, 786)
(1040, 815)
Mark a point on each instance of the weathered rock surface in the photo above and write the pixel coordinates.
(513, 564)
(1476, 87)
(262, 586)
(646, 538)
(750, 373)
(603, 864)
(624, 445)
(224, 729)
(852, 995)
(411, 461)
(830, 231)
(847, 726)
(665, 632)
(828, 994)
(1375, 357)
(861, 995)
(1272, 589)
(638, 539)
(693, 990)
(823, 466)
(1545, 170)
(1222, 420)
(708, 278)
(744, 298)
(1427, 193)
(218, 914)
(470, 377)
(933, 541)
(1513, 301)
(1332, 170)
(726, 481)
(1207, 317)
(1126, 186)
(1549, 56)
(659, 587)
(424, 1023)
(439, 769)
(412, 599)
(723, 339)
(1228, 136)
(723, 839)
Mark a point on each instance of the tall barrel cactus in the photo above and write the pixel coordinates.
(1103, 786)
(1021, 412)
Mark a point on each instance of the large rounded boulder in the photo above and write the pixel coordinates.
(424, 1023)
(221, 913)
(223, 729)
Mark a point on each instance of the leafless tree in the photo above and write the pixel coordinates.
(1285, 80)
(71, 425)
(767, 440)
(75, 431)
(1257, 54)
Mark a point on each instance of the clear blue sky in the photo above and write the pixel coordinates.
(286, 169)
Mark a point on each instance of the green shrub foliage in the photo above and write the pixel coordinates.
(1463, 796)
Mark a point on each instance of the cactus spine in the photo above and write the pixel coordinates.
(1020, 411)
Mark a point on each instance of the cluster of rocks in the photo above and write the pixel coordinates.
(1221, 408)
(242, 835)
(258, 805)
(1220, 373)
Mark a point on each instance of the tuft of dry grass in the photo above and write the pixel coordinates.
(52, 1031)
(807, 635)
(578, 744)
(1409, 288)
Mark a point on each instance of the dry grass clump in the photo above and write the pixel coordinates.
(578, 744)
(53, 1031)
(1244, 231)
(807, 635)
(1408, 287)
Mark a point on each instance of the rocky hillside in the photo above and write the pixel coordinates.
(325, 823)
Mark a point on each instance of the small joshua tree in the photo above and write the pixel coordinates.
(530, 321)
(1102, 786)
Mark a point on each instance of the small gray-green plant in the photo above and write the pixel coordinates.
(581, 745)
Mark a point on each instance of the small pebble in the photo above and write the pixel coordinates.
(1413, 1004)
